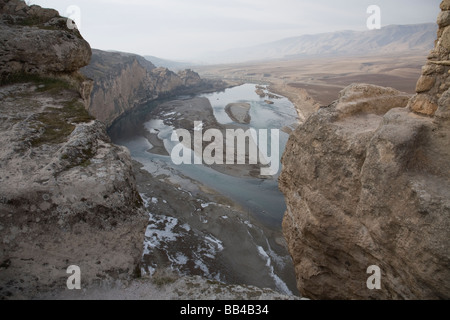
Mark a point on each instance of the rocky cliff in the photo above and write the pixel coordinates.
(67, 195)
(37, 41)
(124, 81)
(367, 182)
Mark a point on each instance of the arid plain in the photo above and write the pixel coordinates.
(312, 82)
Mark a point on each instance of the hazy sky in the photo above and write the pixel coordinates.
(184, 29)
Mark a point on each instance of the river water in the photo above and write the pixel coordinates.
(259, 197)
(262, 197)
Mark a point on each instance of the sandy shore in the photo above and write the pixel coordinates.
(215, 237)
(239, 112)
(157, 144)
(303, 102)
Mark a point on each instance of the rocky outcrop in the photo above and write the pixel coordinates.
(189, 78)
(67, 195)
(37, 41)
(367, 182)
(124, 81)
(120, 82)
(435, 81)
(168, 286)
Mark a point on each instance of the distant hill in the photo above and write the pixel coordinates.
(172, 65)
(389, 39)
(108, 62)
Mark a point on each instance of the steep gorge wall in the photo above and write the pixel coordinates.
(367, 182)
(124, 81)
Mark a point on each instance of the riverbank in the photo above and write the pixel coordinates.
(302, 100)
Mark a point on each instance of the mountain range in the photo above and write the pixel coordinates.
(387, 40)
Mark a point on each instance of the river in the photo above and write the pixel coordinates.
(259, 198)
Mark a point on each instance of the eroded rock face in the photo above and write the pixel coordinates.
(164, 81)
(367, 182)
(124, 81)
(67, 195)
(119, 83)
(38, 41)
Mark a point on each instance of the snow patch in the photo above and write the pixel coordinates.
(145, 199)
(154, 235)
(179, 247)
(215, 242)
(186, 227)
(280, 284)
(248, 224)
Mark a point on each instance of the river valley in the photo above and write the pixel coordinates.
(222, 222)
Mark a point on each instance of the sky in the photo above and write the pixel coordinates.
(184, 30)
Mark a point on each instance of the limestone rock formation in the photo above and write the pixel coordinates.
(163, 81)
(367, 182)
(123, 81)
(67, 195)
(189, 78)
(119, 83)
(27, 35)
(435, 80)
